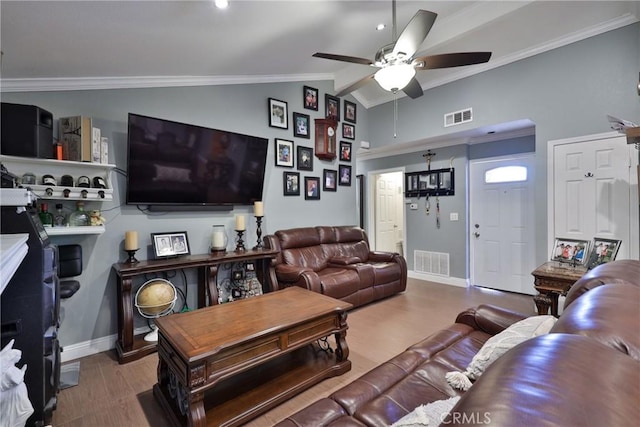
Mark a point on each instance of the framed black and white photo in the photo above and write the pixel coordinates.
(345, 151)
(349, 111)
(329, 180)
(570, 251)
(311, 188)
(602, 251)
(344, 172)
(170, 244)
(278, 114)
(348, 131)
(284, 153)
(331, 107)
(305, 158)
(310, 98)
(291, 184)
(301, 125)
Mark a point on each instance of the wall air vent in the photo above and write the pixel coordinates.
(458, 117)
(431, 263)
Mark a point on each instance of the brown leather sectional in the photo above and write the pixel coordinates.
(585, 372)
(336, 261)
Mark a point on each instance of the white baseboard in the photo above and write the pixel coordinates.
(453, 281)
(94, 346)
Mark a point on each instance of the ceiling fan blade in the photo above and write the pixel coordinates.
(414, 33)
(413, 89)
(354, 86)
(343, 58)
(447, 60)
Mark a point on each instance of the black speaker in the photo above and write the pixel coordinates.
(27, 131)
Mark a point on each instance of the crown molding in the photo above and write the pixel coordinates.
(97, 83)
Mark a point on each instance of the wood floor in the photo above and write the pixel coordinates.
(110, 394)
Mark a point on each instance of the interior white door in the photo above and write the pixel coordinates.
(591, 191)
(502, 226)
(388, 211)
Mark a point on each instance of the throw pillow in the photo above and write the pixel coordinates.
(498, 345)
(431, 414)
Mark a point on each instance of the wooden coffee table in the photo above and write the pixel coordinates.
(226, 364)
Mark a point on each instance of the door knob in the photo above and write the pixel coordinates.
(476, 234)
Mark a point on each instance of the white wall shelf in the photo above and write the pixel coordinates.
(21, 165)
(71, 231)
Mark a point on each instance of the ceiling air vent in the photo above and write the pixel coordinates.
(458, 117)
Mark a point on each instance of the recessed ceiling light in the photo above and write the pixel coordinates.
(380, 27)
(221, 4)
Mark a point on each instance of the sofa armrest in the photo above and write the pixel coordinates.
(293, 275)
(489, 318)
(344, 260)
(379, 256)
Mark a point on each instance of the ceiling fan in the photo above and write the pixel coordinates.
(396, 62)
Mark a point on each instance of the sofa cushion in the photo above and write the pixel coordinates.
(621, 271)
(339, 282)
(609, 314)
(498, 345)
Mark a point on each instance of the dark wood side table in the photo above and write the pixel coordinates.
(226, 364)
(132, 347)
(551, 280)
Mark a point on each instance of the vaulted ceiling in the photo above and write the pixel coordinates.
(49, 45)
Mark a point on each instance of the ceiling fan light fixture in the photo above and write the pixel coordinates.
(395, 77)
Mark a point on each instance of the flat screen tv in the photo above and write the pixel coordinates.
(182, 166)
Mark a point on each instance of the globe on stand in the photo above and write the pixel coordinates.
(155, 298)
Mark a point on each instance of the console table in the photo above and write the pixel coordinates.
(132, 347)
(551, 280)
(226, 364)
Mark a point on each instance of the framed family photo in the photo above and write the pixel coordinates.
(570, 251)
(348, 131)
(329, 180)
(310, 99)
(284, 153)
(349, 111)
(345, 151)
(332, 107)
(345, 175)
(278, 114)
(311, 188)
(170, 244)
(301, 125)
(602, 251)
(305, 158)
(291, 183)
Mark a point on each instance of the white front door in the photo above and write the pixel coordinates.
(388, 211)
(502, 226)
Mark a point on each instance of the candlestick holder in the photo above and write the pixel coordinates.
(259, 245)
(240, 243)
(132, 259)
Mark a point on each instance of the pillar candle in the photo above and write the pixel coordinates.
(240, 223)
(131, 241)
(258, 209)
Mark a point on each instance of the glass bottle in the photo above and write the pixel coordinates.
(59, 219)
(45, 216)
(79, 217)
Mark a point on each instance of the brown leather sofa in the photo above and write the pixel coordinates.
(336, 261)
(585, 372)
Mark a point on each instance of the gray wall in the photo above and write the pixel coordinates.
(91, 313)
(566, 92)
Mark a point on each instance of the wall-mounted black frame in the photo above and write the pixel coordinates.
(437, 182)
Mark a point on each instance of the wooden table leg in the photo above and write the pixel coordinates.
(125, 315)
(342, 349)
(543, 303)
(197, 415)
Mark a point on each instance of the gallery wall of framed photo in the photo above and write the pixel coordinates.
(304, 173)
